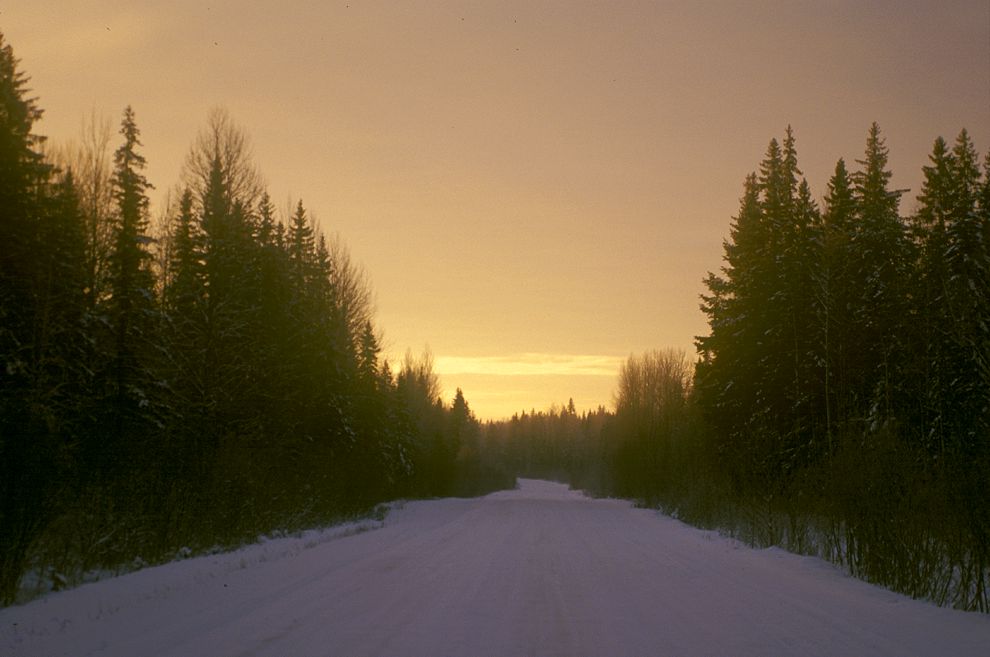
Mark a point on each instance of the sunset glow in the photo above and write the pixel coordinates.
(498, 385)
(486, 326)
(529, 365)
(519, 178)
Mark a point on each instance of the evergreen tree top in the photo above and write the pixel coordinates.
(791, 171)
(935, 198)
(966, 165)
(128, 179)
(18, 113)
(871, 182)
(839, 203)
(266, 220)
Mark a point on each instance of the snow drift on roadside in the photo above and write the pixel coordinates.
(541, 570)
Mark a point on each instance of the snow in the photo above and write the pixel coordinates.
(541, 570)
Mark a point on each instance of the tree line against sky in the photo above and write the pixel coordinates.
(192, 386)
(840, 402)
(218, 376)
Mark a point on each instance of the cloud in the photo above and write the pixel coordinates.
(529, 364)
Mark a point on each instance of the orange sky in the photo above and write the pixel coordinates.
(536, 189)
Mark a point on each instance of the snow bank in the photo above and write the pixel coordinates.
(541, 570)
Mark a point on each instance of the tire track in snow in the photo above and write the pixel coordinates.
(536, 571)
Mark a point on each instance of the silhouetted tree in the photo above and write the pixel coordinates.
(838, 297)
(882, 252)
(41, 303)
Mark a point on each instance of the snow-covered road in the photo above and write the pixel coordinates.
(536, 571)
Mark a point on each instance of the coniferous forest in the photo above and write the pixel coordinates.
(840, 403)
(177, 388)
(188, 381)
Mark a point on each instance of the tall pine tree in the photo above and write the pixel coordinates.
(838, 296)
(133, 402)
(882, 275)
(41, 303)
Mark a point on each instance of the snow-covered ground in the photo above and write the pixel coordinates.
(536, 571)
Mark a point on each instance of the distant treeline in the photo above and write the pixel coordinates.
(171, 388)
(194, 384)
(840, 404)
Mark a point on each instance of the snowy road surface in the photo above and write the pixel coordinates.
(536, 571)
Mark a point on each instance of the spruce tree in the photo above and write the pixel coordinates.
(266, 222)
(368, 354)
(132, 399)
(728, 374)
(968, 267)
(42, 345)
(789, 376)
(954, 274)
(302, 247)
(882, 254)
(838, 296)
(184, 290)
(805, 255)
(22, 175)
(773, 294)
(228, 336)
(931, 231)
(983, 322)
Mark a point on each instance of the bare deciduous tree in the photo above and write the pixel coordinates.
(224, 141)
(349, 280)
(90, 159)
(654, 383)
